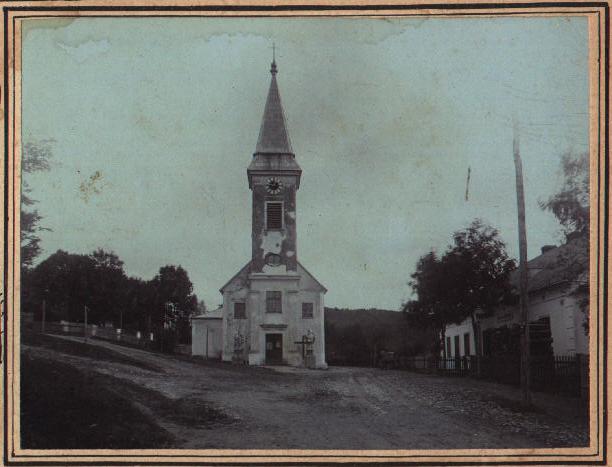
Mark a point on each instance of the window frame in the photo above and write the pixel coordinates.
(276, 301)
(310, 314)
(467, 345)
(243, 310)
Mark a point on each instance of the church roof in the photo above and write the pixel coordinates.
(273, 136)
(244, 272)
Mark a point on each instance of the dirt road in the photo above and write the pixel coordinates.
(215, 405)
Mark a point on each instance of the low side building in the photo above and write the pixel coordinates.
(207, 334)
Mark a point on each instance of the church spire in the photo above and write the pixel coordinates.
(273, 69)
(273, 136)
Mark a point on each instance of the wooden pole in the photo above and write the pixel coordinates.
(523, 278)
(85, 327)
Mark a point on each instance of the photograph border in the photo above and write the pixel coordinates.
(10, 101)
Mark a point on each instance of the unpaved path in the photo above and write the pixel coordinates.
(340, 408)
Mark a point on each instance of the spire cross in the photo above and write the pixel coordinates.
(273, 68)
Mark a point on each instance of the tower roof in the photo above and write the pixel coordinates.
(273, 136)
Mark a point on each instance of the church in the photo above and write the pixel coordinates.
(273, 310)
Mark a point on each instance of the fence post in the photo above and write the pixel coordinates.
(44, 313)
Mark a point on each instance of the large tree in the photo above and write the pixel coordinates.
(479, 270)
(570, 205)
(70, 282)
(175, 301)
(471, 277)
(35, 158)
(433, 307)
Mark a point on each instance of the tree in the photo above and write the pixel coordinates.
(35, 158)
(433, 307)
(472, 276)
(175, 301)
(479, 268)
(108, 288)
(571, 204)
(69, 282)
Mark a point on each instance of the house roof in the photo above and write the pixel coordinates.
(567, 262)
(214, 314)
(273, 136)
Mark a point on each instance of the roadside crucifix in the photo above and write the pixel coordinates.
(307, 353)
(239, 342)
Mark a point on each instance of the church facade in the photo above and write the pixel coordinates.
(273, 308)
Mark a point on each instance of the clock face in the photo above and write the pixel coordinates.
(274, 186)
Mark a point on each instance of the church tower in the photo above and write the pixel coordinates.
(274, 178)
(273, 309)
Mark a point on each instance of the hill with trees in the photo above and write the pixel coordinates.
(355, 336)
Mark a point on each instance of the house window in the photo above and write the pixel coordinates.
(274, 215)
(457, 351)
(448, 348)
(466, 344)
(239, 310)
(274, 302)
(307, 311)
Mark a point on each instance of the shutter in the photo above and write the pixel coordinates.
(274, 219)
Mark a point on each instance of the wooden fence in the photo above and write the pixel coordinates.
(562, 374)
(134, 339)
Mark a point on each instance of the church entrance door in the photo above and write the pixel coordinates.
(274, 349)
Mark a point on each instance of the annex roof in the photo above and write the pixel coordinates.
(213, 314)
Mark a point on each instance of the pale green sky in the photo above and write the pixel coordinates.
(385, 116)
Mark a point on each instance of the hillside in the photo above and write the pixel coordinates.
(354, 336)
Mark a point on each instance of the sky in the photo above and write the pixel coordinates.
(154, 122)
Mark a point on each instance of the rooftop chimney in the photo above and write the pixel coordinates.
(547, 248)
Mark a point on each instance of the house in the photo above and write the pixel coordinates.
(558, 298)
(273, 307)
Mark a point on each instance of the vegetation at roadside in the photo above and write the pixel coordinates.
(68, 282)
(65, 408)
(471, 276)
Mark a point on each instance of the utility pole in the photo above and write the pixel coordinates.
(520, 201)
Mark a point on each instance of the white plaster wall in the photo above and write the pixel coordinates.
(561, 309)
(459, 330)
(566, 319)
(295, 290)
(199, 337)
(233, 327)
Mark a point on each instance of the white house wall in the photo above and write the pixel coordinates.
(568, 333)
(465, 327)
